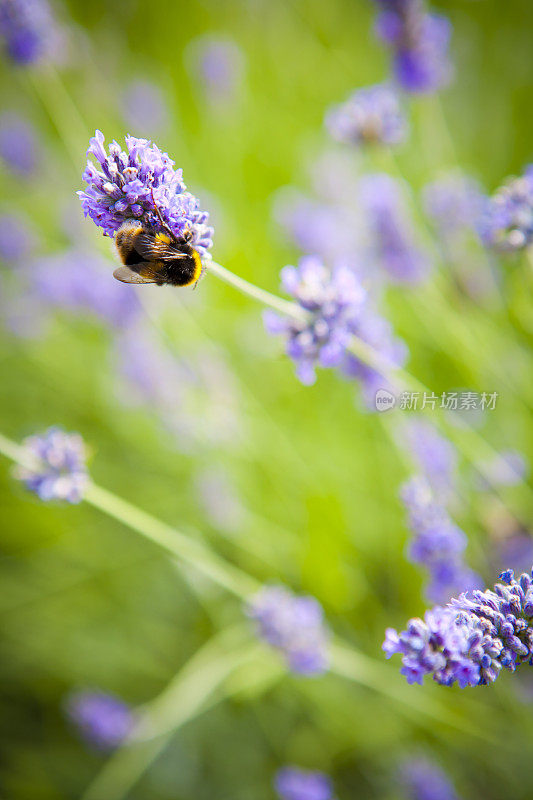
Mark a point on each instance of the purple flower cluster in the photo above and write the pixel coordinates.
(393, 239)
(472, 638)
(438, 543)
(371, 114)
(103, 720)
(292, 783)
(127, 184)
(424, 780)
(27, 29)
(336, 308)
(60, 471)
(333, 301)
(18, 144)
(507, 220)
(419, 42)
(293, 624)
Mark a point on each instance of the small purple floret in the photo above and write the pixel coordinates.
(507, 220)
(103, 720)
(372, 114)
(292, 783)
(60, 472)
(293, 624)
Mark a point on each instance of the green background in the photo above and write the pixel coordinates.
(87, 602)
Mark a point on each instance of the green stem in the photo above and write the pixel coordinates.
(262, 296)
(195, 689)
(173, 541)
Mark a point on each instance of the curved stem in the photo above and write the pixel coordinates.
(261, 295)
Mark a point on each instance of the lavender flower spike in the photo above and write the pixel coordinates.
(103, 720)
(28, 30)
(334, 301)
(293, 624)
(507, 221)
(127, 184)
(19, 148)
(424, 780)
(419, 42)
(372, 114)
(470, 640)
(292, 783)
(60, 472)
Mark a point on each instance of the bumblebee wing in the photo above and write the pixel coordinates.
(127, 275)
(157, 248)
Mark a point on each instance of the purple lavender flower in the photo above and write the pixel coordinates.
(393, 238)
(123, 187)
(472, 638)
(435, 455)
(218, 63)
(28, 30)
(438, 543)
(328, 230)
(293, 624)
(292, 783)
(60, 471)
(17, 240)
(78, 280)
(453, 202)
(507, 220)
(424, 780)
(18, 144)
(371, 114)
(333, 302)
(144, 107)
(103, 720)
(419, 42)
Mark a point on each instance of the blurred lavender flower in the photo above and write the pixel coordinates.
(219, 499)
(330, 231)
(472, 638)
(293, 624)
(453, 202)
(372, 114)
(419, 42)
(436, 456)
(438, 543)
(79, 280)
(28, 30)
(103, 720)
(516, 549)
(507, 220)
(507, 468)
(17, 240)
(424, 780)
(122, 189)
(196, 400)
(218, 63)
(333, 301)
(19, 148)
(391, 229)
(292, 783)
(144, 107)
(60, 471)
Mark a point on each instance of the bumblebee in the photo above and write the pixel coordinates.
(150, 255)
